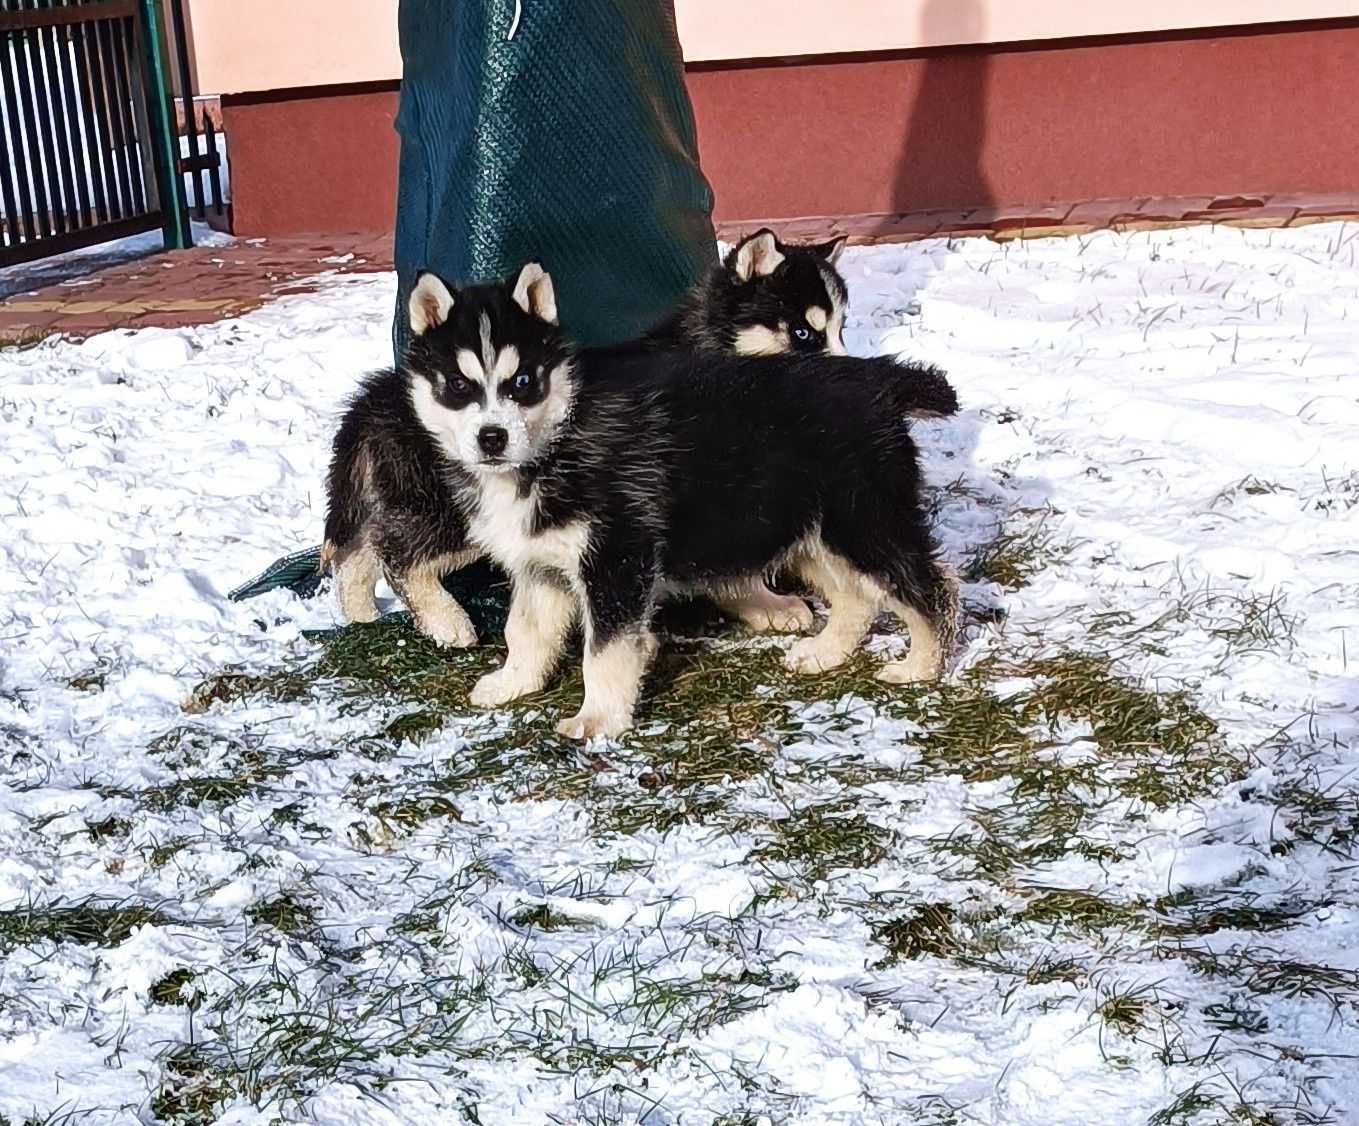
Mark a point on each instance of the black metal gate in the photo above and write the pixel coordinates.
(91, 152)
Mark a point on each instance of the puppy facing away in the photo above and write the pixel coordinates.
(599, 479)
(389, 491)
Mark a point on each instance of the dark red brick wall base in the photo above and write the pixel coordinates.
(1255, 112)
(312, 162)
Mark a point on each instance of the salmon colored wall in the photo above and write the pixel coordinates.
(1200, 114)
(249, 45)
(1194, 114)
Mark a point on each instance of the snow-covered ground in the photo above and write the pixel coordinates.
(1106, 876)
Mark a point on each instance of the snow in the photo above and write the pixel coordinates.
(1173, 415)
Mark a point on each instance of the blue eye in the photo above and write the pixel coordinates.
(522, 382)
(801, 333)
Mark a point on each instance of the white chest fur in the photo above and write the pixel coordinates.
(502, 526)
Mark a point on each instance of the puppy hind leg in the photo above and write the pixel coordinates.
(541, 616)
(854, 603)
(356, 577)
(927, 603)
(760, 609)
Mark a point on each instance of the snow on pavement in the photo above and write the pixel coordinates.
(1163, 427)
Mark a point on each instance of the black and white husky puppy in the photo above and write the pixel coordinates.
(599, 478)
(765, 297)
(391, 515)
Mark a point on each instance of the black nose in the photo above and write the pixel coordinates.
(493, 440)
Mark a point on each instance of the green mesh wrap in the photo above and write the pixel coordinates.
(571, 143)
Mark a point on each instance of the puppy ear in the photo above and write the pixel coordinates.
(534, 294)
(430, 304)
(757, 256)
(831, 251)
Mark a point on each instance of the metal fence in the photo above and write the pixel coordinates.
(91, 151)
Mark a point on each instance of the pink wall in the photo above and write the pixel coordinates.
(251, 45)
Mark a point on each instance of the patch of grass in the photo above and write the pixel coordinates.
(285, 912)
(817, 840)
(1080, 911)
(169, 990)
(161, 854)
(193, 792)
(414, 727)
(1188, 1105)
(1157, 745)
(192, 1090)
(541, 917)
(232, 685)
(926, 930)
(92, 679)
(1124, 1010)
(1197, 913)
(1013, 557)
(691, 1006)
(109, 827)
(412, 812)
(90, 922)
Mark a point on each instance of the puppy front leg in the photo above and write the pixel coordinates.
(541, 616)
(437, 613)
(621, 583)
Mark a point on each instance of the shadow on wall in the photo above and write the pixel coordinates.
(941, 161)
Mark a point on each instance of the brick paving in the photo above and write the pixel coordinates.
(214, 283)
(1064, 219)
(187, 287)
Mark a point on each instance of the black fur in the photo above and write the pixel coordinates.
(703, 468)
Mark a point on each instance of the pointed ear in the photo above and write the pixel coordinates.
(534, 294)
(757, 256)
(430, 304)
(831, 251)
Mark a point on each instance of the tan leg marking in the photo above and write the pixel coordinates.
(541, 616)
(763, 611)
(437, 613)
(356, 579)
(854, 602)
(613, 681)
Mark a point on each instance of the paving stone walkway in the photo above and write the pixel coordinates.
(213, 283)
(186, 287)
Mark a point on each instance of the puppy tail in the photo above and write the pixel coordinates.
(922, 391)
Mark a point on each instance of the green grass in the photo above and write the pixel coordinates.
(169, 990)
(89, 922)
(286, 912)
(928, 930)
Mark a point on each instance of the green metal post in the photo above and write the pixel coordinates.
(165, 134)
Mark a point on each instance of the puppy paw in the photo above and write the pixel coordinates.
(913, 668)
(449, 629)
(816, 654)
(584, 725)
(500, 687)
(777, 613)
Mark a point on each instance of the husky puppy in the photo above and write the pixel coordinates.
(768, 298)
(389, 495)
(599, 478)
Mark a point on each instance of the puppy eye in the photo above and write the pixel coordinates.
(802, 333)
(521, 382)
(460, 388)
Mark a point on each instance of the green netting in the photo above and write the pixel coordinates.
(570, 141)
